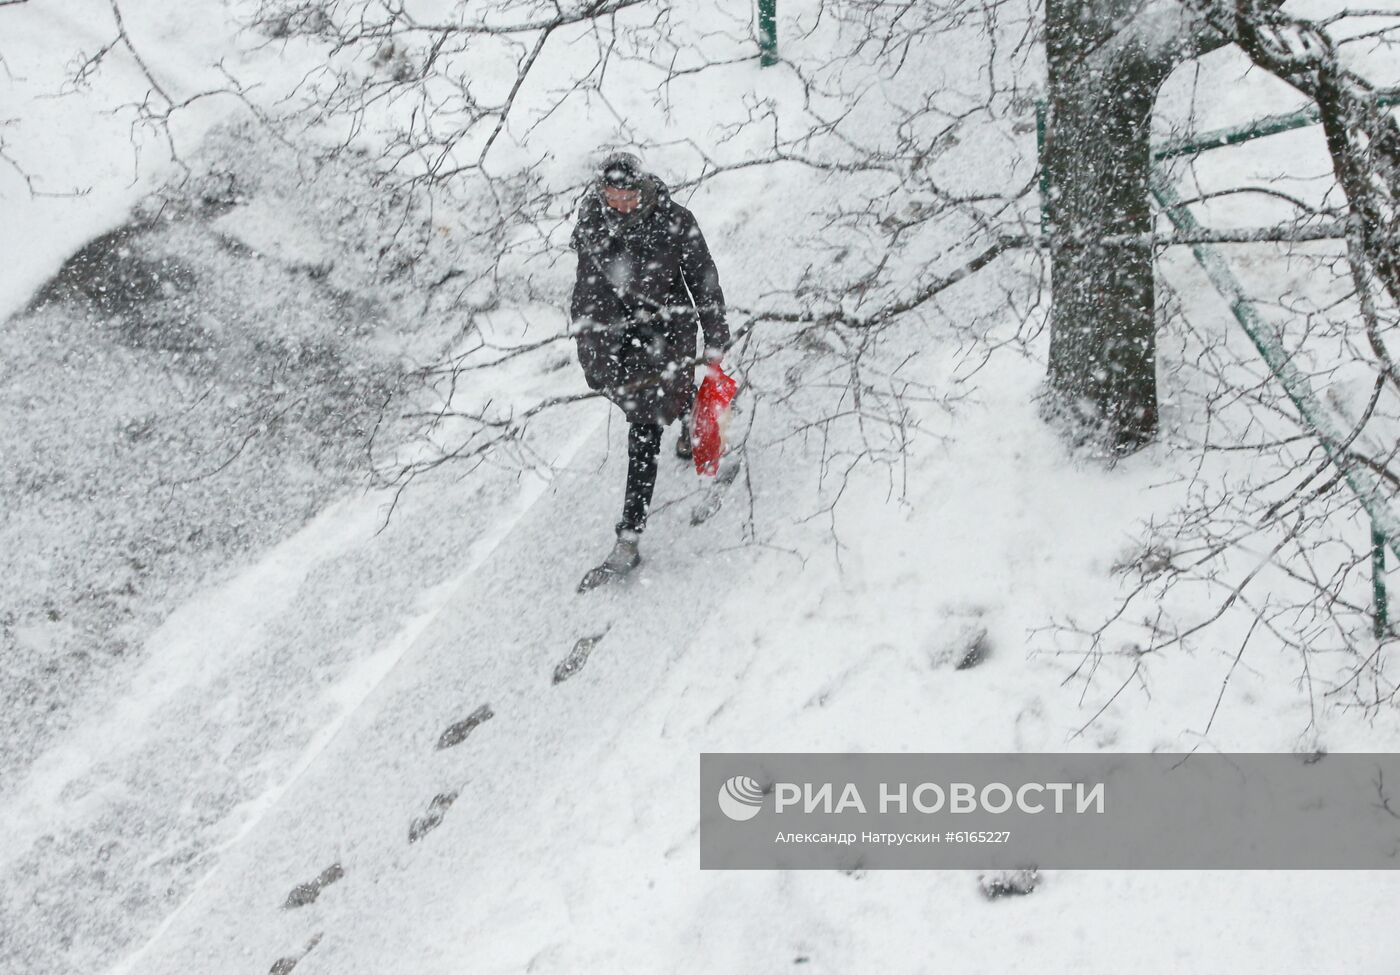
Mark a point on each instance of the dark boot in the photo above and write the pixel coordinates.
(685, 448)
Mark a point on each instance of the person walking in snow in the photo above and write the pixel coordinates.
(645, 282)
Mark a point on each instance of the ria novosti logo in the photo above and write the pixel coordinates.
(740, 798)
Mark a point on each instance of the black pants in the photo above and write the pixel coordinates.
(643, 444)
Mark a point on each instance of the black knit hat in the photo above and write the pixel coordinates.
(622, 170)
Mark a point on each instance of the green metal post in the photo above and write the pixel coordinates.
(1269, 125)
(768, 32)
(1373, 495)
(1378, 594)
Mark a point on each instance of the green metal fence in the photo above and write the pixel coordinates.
(1385, 523)
(1268, 125)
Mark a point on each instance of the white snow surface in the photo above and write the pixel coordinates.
(285, 719)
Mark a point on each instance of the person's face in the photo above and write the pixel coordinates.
(623, 201)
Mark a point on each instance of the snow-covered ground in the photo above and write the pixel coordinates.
(277, 715)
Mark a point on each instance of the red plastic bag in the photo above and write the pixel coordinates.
(711, 418)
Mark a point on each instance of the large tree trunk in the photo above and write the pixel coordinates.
(1107, 59)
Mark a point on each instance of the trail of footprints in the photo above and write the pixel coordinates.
(968, 649)
(454, 735)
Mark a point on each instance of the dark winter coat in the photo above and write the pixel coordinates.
(645, 281)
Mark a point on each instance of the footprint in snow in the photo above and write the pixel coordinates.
(1008, 883)
(283, 966)
(458, 732)
(961, 648)
(577, 657)
(432, 819)
(303, 894)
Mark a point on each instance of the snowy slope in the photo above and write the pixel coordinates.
(571, 843)
(286, 718)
